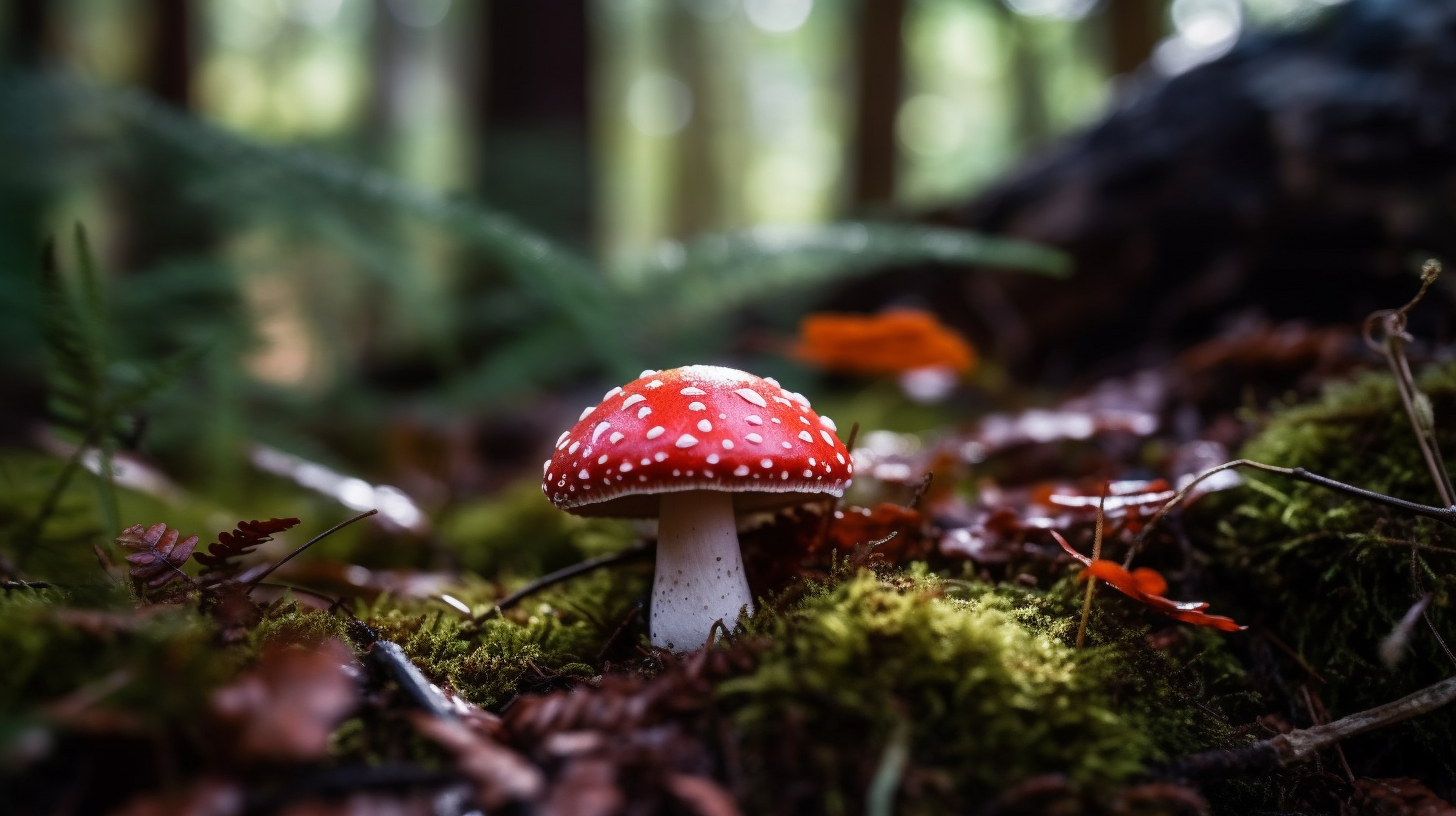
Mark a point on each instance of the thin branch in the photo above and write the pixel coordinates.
(1096, 554)
(312, 541)
(567, 573)
(1298, 746)
(1445, 515)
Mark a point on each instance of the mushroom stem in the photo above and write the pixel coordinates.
(699, 578)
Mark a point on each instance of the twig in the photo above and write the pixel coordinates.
(309, 543)
(1445, 515)
(921, 490)
(567, 573)
(1298, 746)
(880, 798)
(390, 657)
(8, 586)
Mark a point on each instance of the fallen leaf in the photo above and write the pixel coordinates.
(702, 795)
(499, 774)
(287, 707)
(1400, 797)
(1146, 586)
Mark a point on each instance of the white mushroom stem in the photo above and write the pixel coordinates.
(699, 577)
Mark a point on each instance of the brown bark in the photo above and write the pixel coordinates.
(880, 68)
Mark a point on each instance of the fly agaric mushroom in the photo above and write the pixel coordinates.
(691, 447)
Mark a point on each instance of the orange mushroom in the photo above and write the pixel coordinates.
(891, 342)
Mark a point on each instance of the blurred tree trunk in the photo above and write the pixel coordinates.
(27, 27)
(879, 73)
(1133, 27)
(696, 184)
(168, 69)
(535, 118)
(1029, 118)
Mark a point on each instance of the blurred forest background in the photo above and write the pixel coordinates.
(351, 242)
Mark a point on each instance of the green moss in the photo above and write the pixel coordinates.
(986, 689)
(1331, 575)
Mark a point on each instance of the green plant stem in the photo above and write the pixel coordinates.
(1092, 582)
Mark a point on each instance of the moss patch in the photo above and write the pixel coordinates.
(980, 691)
(1331, 575)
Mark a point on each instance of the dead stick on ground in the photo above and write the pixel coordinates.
(1298, 746)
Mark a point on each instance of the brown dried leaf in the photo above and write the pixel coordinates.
(286, 708)
(586, 787)
(217, 561)
(1399, 797)
(702, 795)
(499, 774)
(156, 555)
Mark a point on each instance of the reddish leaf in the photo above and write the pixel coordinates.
(1146, 586)
(287, 707)
(249, 534)
(499, 774)
(156, 555)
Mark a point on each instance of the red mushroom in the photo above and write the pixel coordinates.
(690, 447)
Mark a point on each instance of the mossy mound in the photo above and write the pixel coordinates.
(975, 693)
(1332, 575)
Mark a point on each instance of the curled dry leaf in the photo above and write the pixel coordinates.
(499, 774)
(217, 561)
(702, 795)
(891, 342)
(287, 707)
(156, 555)
(1146, 586)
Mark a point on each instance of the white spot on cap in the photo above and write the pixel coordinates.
(646, 461)
(708, 473)
(602, 460)
(772, 381)
(697, 406)
(642, 414)
(656, 432)
(808, 473)
(614, 392)
(753, 419)
(704, 425)
(692, 391)
(840, 457)
(574, 446)
(722, 416)
(752, 396)
(712, 458)
(768, 463)
(654, 384)
(804, 435)
(586, 413)
(626, 466)
(659, 456)
(754, 438)
(741, 470)
(546, 468)
(828, 423)
(784, 401)
(615, 437)
(784, 475)
(812, 462)
(686, 441)
(645, 372)
(561, 440)
(787, 446)
(583, 474)
(599, 430)
(727, 445)
(828, 440)
(776, 420)
(641, 477)
(633, 400)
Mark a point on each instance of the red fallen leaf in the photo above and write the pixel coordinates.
(499, 774)
(1146, 586)
(287, 707)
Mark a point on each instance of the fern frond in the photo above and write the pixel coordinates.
(722, 270)
(217, 562)
(157, 558)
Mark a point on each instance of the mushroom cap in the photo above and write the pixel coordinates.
(696, 428)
